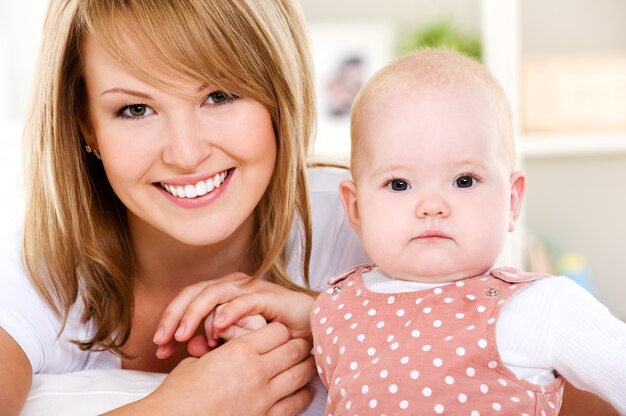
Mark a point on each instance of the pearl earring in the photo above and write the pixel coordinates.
(88, 149)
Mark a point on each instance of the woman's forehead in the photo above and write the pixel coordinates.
(127, 55)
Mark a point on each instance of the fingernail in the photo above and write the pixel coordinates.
(181, 330)
(159, 350)
(159, 333)
(219, 318)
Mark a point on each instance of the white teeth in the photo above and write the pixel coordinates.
(209, 185)
(199, 189)
(190, 191)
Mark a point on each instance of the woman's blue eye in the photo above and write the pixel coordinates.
(465, 181)
(398, 185)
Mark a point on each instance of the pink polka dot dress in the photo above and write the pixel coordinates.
(427, 352)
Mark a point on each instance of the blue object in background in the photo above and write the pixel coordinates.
(574, 266)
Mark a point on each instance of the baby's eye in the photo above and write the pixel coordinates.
(465, 181)
(220, 97)
(398, 185)
(135, 111)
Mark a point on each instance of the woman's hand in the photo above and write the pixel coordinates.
(241, 297)
(260, 373)
(204, 343)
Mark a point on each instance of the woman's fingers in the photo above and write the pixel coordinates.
(170, 321)
(294, 404)
(166, 350)
(247, 375)
(288, 307)
(241, 306)
(184, 313)
(295, 377)
(284, 357)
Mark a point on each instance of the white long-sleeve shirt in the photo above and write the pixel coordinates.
(553, 325)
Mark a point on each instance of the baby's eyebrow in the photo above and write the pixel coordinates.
(389, 168)
(466, 162)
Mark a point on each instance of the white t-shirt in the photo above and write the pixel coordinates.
(69, 381)
(28, 319)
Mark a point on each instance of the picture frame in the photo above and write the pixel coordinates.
(345, 55)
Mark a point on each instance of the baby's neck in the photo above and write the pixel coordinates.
(378, 281)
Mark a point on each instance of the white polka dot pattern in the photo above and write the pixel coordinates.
(427, 352)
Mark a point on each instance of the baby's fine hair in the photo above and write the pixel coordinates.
(432, 68)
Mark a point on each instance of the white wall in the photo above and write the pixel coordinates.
(573, 26)
(20, 27)
(578, 203)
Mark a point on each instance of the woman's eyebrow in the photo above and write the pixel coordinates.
(127, 91)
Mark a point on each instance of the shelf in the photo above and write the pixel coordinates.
(572, 144)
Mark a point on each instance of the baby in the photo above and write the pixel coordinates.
(433, 327)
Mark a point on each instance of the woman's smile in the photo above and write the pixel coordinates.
(196, 189)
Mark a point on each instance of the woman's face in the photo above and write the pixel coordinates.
(192, 164)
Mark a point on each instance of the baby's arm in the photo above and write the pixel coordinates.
(589, 347)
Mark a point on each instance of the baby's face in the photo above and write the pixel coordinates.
(435, 196)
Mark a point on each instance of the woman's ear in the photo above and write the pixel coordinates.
(347, 193)
(518, 189)
(87, 133)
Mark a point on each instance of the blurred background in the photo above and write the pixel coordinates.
(562, 63)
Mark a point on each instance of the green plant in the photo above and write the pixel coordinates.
(441, 34)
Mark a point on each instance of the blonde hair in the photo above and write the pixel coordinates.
(76, 240)
(433, 67)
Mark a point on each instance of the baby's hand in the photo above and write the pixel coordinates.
(203, 343)
(242, 297)
(239, 328)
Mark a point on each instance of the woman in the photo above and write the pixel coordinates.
(166, 147)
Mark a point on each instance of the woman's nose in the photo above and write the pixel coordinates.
(186, 143)
(432, 205)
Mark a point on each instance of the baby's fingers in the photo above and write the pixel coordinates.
(242, 327)
(198, 346)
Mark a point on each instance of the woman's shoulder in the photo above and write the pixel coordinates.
(30, 321)
(326, 179)
(335, 245)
